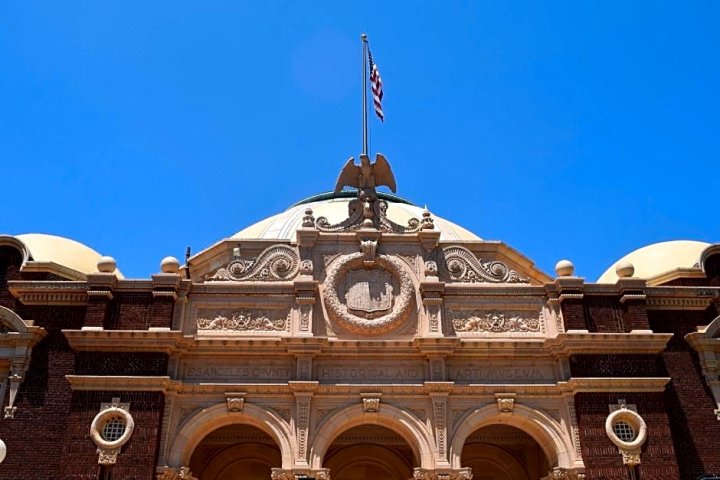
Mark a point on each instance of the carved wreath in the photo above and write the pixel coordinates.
(354, 323)
(463, 266)
(275, 263)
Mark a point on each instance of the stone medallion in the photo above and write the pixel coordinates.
(368, 299)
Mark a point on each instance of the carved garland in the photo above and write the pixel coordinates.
(361, 325)
(463, 266)
(494, 322)
(275, 263)
(241, 321)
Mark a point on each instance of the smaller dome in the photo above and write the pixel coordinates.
(62, 251)
(658, 258)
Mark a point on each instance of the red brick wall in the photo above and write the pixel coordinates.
(695, 429)
(604, 315)
(35, 437)
(624, 365)
(121, 363)
(137, 457)
(601, 456)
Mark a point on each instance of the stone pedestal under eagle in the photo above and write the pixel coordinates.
(366, 176)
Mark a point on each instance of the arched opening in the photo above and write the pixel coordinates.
(502, 452)
(370, 452)
(235, 451)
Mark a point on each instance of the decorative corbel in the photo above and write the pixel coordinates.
(235, 402)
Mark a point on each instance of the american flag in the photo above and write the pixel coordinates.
(376, 87)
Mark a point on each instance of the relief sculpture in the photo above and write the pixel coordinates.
(463, 266)
(241, 321)
(369, 290)
(494, 322)
(275, 263)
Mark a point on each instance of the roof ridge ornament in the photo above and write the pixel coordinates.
(369, 211)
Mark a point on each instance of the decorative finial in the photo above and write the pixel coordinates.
(564, 268)
(427, 222)
(625, 269)
(308, 220)
(363, 37)
(170, 265)
(106, 264)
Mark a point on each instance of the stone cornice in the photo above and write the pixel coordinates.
(584, 342)
(173, 341)
(245, 287)
(166, 341)
(49, 292)
(165, 384)
(119, 383)
(489, 290)
(681, 298)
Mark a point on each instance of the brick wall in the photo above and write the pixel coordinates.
(604, 315)
(35, 437)
(615, 365)
(121, 363)
(601, 456)
(695, 429)
(137, 457)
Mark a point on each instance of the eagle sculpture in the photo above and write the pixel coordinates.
(367, 175)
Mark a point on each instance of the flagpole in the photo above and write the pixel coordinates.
(364, 95)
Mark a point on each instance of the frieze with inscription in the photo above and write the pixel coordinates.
(249, 371)
(483, 372)
(406, 372)
(209, 321)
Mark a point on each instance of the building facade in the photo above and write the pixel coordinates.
(356, 336)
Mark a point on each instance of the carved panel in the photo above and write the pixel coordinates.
(271, 320)
(353, 296)
(279, 262)
(463, 266)
(481, 321)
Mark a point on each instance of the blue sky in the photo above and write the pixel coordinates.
(578, 130)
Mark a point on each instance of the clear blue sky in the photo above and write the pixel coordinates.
(578, 130)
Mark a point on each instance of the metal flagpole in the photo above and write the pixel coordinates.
(364, 95)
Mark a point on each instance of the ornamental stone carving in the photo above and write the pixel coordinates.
(276, 263)
(463, 266)
(506, 404)
(368, 301)
(458, 474)
(243, 321)
(371, 404)
(367, 211)
(235, 404)
(494, 322)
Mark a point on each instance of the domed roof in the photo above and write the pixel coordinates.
(659, 258)
(62, 251)
(334, 207)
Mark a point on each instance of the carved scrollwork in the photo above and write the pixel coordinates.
(494, 322)
(244, 321)
(276, 263)
(369, 325)
(373, 209)
(463, 266)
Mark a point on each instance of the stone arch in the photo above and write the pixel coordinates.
(555, 443)
(12, 320)
(412, 430)
(196, 428)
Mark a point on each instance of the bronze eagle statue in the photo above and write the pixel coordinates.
(367, 175)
